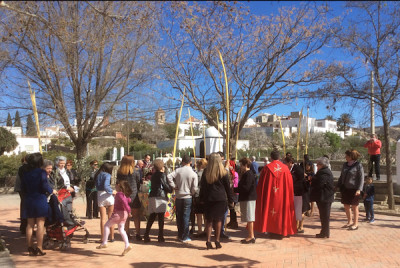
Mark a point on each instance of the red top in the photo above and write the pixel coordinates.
(275, 205)
(374, 146)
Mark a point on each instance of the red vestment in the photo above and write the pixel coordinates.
(274, 205)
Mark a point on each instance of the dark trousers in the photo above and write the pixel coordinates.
(375, 160)
(150, 222)
(92, 209)
(369, 209)
(324, 215)
(232, 216)
(183, 208)
(24, 222)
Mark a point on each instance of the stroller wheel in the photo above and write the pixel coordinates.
(65, 246)
(46, 243)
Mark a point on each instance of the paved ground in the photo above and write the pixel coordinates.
(374, 245)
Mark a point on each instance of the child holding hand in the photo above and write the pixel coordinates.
(119, 216)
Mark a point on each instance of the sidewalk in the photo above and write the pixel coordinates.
(372, 245)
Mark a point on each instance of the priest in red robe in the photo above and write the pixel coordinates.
(274, 206)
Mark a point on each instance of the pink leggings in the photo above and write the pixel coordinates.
(117, 217)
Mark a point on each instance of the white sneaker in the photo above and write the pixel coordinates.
(126, 250)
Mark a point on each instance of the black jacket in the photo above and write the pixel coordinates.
(218, 191)
(322, 189)
(247, 187)
(298, 180)
(159, 185)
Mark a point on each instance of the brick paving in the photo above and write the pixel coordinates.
(372, 245)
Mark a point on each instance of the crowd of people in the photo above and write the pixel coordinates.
(273, 199)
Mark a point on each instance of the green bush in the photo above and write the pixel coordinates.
(334, 140)
(9, 164)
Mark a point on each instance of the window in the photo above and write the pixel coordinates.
(29, 148)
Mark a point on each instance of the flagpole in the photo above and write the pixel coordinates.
(33, 99)
(177, 129)
(306, 152)
(237, 133)
(204, 137)
(194, 143)
(227, 134)
(283, 136)
(298, 135)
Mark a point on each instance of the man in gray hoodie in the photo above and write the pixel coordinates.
(185, 181)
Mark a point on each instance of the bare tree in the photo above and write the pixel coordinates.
(371, 33)
(82, 58)
(265, 56)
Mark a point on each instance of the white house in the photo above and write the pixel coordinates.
(213, 140)
(17, 131)
(29, 145)
(270, 124)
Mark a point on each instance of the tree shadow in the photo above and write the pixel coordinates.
(241, 262)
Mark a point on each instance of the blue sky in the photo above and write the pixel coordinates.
(318, 110)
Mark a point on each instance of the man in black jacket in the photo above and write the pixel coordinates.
(322, 192)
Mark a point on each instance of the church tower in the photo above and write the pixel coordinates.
(160, 117)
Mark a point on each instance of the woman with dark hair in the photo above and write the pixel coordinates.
(105, 195)
(72, 174)
(35, 187)
(350, 183)
(158, 200)
(127, 172)
(214, 192)
(247, 198)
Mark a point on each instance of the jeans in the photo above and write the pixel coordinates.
(223, 222)
(324, 215)
(369, 209)
(183, 208)
(375, 160)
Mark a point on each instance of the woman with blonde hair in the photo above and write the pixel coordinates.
(214, 192)
(350, 183)
(127, 172)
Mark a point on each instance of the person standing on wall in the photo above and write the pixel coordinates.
(374, 150)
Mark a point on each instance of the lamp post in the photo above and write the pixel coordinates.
(372, 104)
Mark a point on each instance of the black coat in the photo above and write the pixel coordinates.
(218, 191)
(298, 180)
(322, 188)
(159, 185)
(247, 187)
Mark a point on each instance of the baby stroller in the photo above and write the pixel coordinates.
(62, 223)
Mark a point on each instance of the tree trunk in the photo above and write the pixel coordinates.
(233, 148)
(81, 149)
(388, 162)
